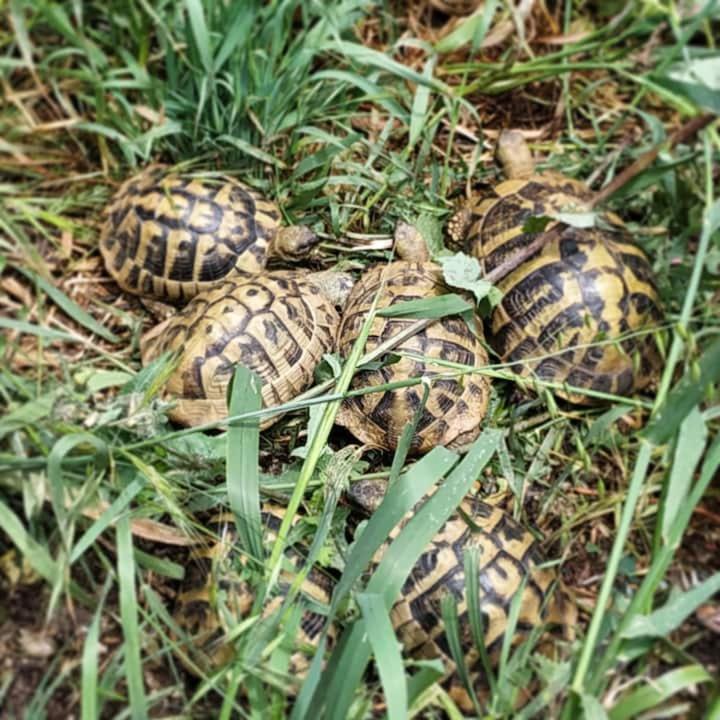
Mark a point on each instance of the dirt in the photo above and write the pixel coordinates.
(35, 652)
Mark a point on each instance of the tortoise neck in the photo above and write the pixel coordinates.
(514, 155)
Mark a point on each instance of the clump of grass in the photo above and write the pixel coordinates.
(100, 499)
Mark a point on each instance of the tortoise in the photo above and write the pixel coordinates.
(278, 324)
(508, 564)
(217, 594)
(455, 406)
(168, 236)
(577, 311)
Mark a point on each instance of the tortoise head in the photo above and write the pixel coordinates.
(293, 243)
(334, 285)
(367, 494)
(410, 244)
(514, 155)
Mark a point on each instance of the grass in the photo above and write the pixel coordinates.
(352, 115)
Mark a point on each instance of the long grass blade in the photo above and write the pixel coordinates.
(658, 691)
(71, 308)
(90, 663)
(471, 562)
(386, 650)
(114, 510)
(35, 553)
(242, 471)
(55, 475)
(129, 620)
(452, 633)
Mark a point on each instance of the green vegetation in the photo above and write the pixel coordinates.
(352, 115)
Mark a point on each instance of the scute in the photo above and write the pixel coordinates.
(274, 324)
(169, 236)
(578, 310)
(455, 407)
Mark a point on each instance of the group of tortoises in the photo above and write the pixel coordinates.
(574, 315)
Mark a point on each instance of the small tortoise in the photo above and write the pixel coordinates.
(211, 603)
(578, 310)
(217, 594)
(168, 236)
(277, 324)
(455, 406)
(508, 565)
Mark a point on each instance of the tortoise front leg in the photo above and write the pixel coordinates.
(458, 227)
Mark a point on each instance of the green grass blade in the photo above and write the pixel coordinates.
(249, 149)
(158, 565)
(237, 33)
(663, 621)
(400, 498)
(473, 29)
(406, 438)
(319, 440)
(660, 431)
(510, 628)
(436, 307)
(341, 676)
(658, 691)
(55, 474)
(633, 493)
(471, 562)
(452, 632)
(118, 506)
(663, 428)
(368, 56)
(91, 662)
(397, 562)
(129, 620)
(200, 33)
(27, 414)
(37, 555)
(418, 113)
(31, 329)
(592, 708)
(429, 673)
(317, 672)
(661, 561)
(687, 393)
(242, 472)
(689, 449)
(386, 650)
(71, 308)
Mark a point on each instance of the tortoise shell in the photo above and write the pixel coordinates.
(217, 595)
(169, 236)
(576, 311)
(277, 324)
(455, 406)
(508, 564)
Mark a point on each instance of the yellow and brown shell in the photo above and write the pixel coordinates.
(278, 324)
(508, 564)
(169, 236)
(578, 311)
(217, 595)
(455, 405)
